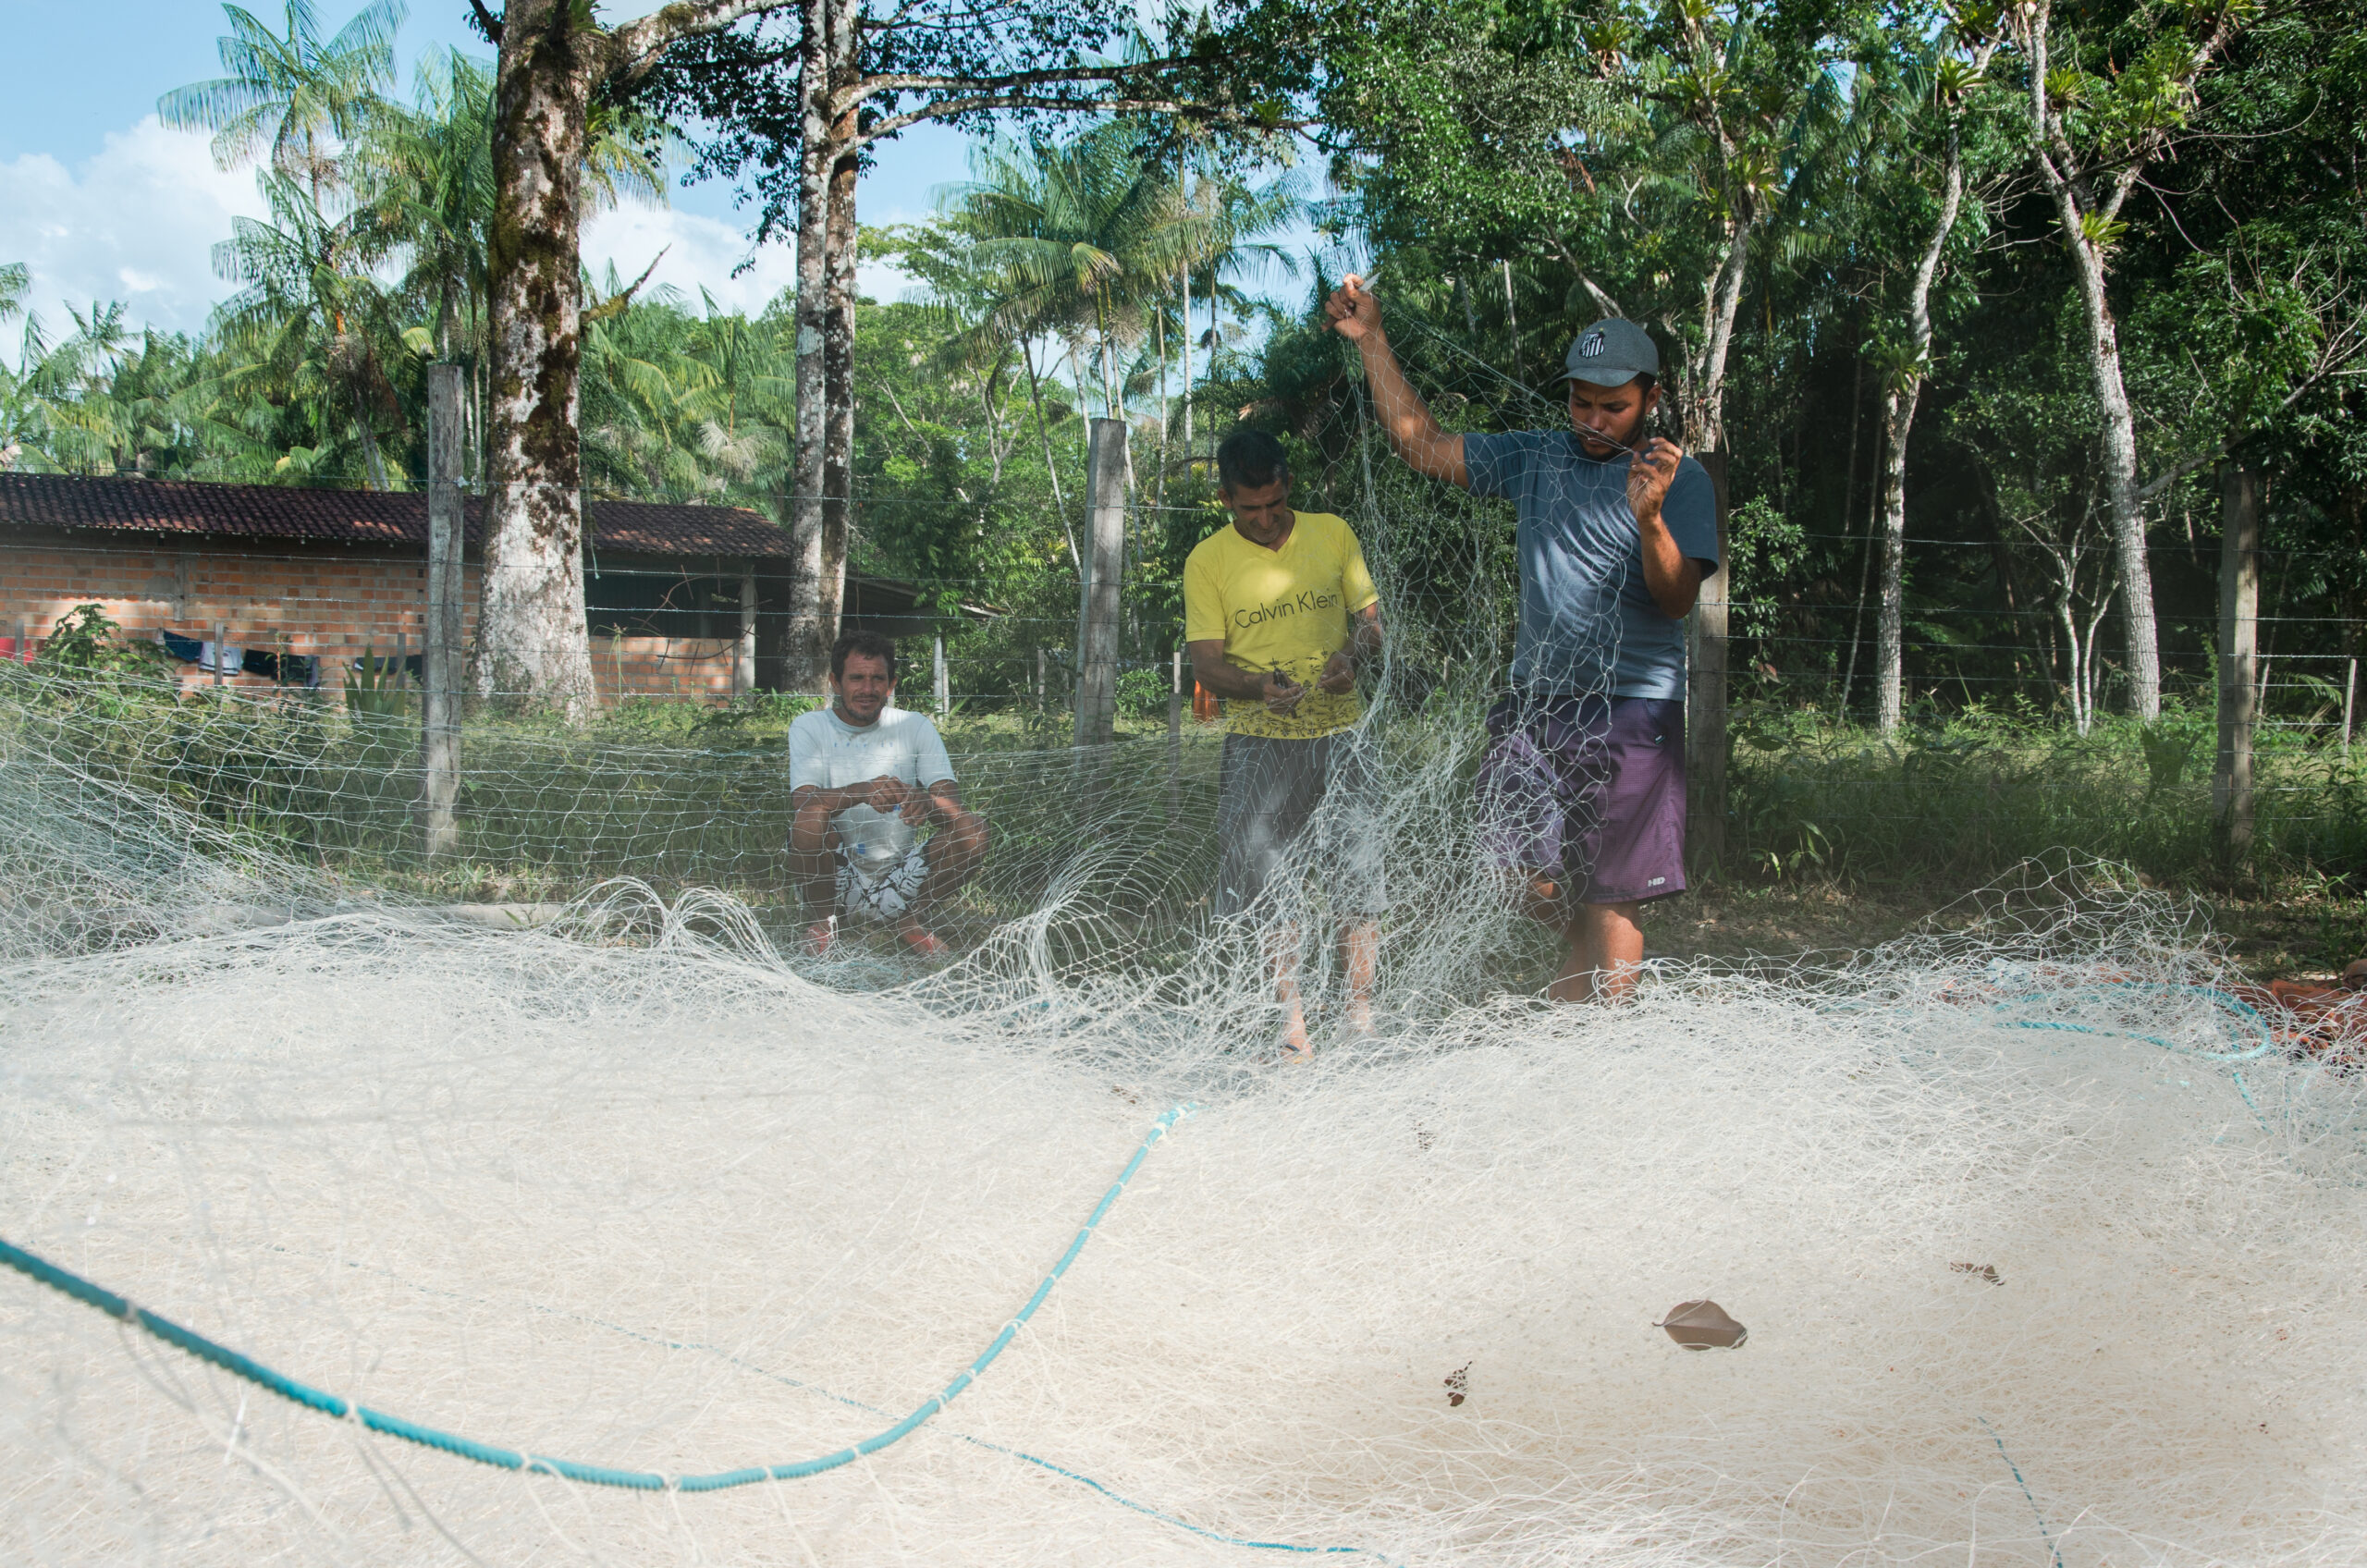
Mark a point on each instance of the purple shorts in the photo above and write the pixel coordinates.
(1592, 790)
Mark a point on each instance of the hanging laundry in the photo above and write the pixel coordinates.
(289, 669)
(187, 650)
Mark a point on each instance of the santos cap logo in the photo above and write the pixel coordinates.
(1590, 346)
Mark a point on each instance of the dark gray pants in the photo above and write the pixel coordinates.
(1266, 793)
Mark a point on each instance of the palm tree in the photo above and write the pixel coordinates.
(425, 176)
(1081, 241)
(1235, 218)
(313, 318)
(742, 385)
(290, 92)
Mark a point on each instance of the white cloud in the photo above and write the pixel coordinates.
(137, 222)
(700, 250)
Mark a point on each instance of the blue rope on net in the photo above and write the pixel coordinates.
(187, 1340)
(2264, 1036)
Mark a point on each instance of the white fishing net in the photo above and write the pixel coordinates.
(2049, 1248)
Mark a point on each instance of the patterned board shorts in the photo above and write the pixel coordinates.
(1590, 788)
(1268, 794)
(881, 896)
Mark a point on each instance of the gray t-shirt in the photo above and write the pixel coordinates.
(1588, 623)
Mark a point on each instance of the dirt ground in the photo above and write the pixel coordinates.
(2301, 937)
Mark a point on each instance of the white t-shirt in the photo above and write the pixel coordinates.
(826, 752)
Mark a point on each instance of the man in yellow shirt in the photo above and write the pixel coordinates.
(1277, 612)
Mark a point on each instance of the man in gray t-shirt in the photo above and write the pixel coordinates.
(1582, 790)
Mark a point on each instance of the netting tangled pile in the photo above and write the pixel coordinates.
(2049, 1252)
(2042, 1255)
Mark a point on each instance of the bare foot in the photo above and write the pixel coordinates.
(1295, 1046)
(821, 936)
(919, 940)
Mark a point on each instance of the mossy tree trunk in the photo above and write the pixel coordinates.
(532, 639)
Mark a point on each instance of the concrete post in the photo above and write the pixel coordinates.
(440, 668)
(941, 685)
(2231, 777)
(744, 678)
(1097, 628)
(1175, 741)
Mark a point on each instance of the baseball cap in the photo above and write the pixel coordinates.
(1612, 352)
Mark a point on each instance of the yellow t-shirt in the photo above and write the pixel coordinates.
(1286, 609)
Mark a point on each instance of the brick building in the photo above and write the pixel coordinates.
(684, 601)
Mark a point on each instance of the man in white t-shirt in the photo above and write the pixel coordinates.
(863, 777)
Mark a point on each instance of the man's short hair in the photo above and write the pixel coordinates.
(1250, 459)
(870, 644)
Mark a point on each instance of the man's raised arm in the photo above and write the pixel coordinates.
(1355, 315)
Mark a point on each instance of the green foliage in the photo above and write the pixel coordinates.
(1957, 799)
(86, 644)
(377, 689)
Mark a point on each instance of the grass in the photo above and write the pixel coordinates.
(1837, 837)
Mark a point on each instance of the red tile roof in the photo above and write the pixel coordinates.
(353, 516)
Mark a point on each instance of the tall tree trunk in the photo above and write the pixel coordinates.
(1849, 527)
(2074, 204)
(531, 634)
(1705, 422)
(808, 639)
(1899, 418)
(2118, 452)
(838, 369)
(1188, 364)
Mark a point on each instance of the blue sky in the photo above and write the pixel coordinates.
(103, 203)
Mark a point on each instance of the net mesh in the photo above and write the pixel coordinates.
(2047, 1240)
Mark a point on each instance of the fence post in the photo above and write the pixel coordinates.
(1705, 707)
(744, 678)
(221, 635)
(1096, 628)
(440, 643)
(1175, 741)
(2231, 777)
(938, 683)
(2349, 689)
(1039, 681)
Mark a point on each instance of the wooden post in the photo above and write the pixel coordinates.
(2231, 777)
(1705, 705)
(441, 639)
(744, 679)
(221, 635)
(1039, 681)
(939, 684)
(24, 652)
(1097, 620)
(1175, 742)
